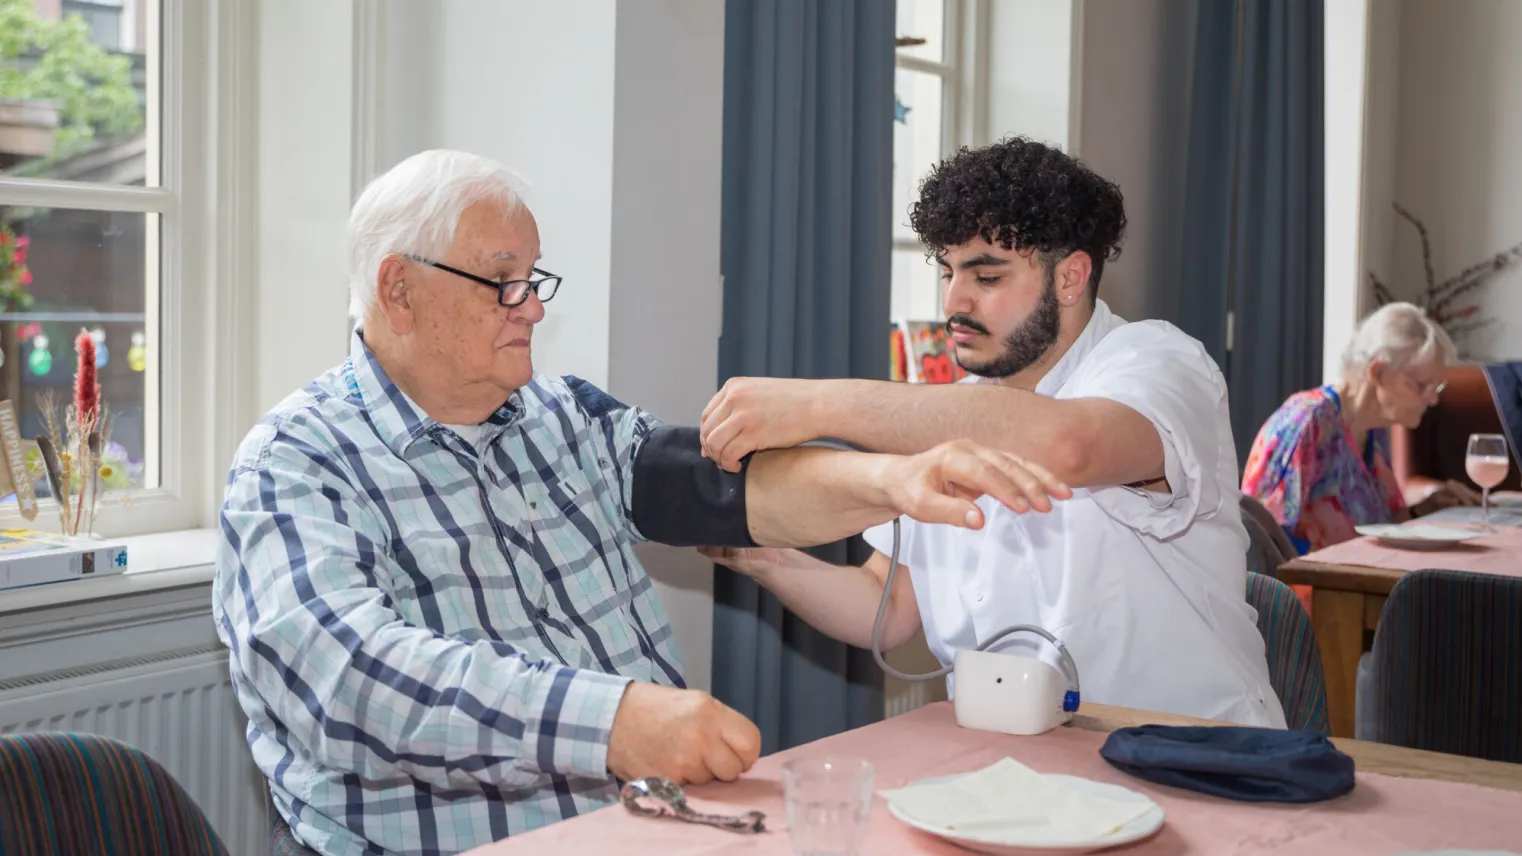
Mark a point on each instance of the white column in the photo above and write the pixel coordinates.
(1032, 63)
(1346, 40)
(666, 292)
(305, 154)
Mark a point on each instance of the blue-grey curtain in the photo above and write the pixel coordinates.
(808, 161)
(1254, 213)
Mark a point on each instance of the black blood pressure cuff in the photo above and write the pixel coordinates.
(682, 498)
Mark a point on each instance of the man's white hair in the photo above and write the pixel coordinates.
(413, 210)
(1397, 334)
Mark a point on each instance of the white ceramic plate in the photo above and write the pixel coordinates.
(1417, 535)
(1506, 499)
(1144, 826)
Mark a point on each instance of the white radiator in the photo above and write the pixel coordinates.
(179, 709)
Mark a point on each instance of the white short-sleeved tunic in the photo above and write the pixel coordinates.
(1146, 590)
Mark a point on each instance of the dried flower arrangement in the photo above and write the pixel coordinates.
(71, 453)
(1440, 299)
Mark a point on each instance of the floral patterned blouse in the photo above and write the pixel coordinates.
(1304, 469)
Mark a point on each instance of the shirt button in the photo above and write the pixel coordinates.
(980, 597)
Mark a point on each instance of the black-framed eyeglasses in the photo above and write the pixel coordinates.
(509, 293)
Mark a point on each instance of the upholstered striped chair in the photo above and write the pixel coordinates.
(1294, 660)
(1446, 670)
(80, 795)
(1270, 546)
(1263, 556)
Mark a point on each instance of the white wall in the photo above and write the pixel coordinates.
(1459, 152)
(530, 84)
(1030, 69)
(1444, 138)
(1134, 69)
(304, 152)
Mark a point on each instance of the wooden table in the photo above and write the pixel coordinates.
(1405, 799)
(1350, 583)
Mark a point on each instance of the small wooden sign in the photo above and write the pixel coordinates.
(13, 478)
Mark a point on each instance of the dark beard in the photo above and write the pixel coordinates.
(1028, 343)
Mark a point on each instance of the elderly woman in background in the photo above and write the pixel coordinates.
(1321, 463)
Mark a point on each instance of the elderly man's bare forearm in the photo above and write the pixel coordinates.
(802, 497)
(805, 497)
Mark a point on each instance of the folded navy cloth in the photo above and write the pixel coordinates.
(1236, 763)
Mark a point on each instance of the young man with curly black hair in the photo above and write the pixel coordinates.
(1137, 559)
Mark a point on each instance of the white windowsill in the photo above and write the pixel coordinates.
(160, 561)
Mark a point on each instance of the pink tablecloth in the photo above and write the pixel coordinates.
(1499, 553)
(1383, 815)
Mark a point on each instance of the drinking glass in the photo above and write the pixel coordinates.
(1487, 464)
(828, 801)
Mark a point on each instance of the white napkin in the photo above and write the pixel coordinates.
(1010, 799)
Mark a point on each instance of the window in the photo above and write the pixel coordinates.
(104, 19)
(922, 132)
(937, 102)
(938, 106)
(111, 230)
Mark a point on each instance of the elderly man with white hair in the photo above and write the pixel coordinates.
(438, 627)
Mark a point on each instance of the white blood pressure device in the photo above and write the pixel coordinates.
(995, 691)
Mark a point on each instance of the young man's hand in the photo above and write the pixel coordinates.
(751, 414)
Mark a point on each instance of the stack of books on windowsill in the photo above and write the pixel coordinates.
(30, 558)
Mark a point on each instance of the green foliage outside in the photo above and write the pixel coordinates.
(56, 61)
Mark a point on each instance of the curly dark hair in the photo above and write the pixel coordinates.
(1022, 195)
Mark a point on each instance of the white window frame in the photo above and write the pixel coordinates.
(199, 327)
(963, 71)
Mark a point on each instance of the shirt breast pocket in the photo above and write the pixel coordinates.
(573, 522)
(572, 494)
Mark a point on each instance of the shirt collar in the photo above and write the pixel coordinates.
(397, 419)
(1100, 324)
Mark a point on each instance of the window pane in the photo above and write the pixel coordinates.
(63, 271)
(916, 287)
(916, 140)
(923, 19)
(53, 127)
(103, 19)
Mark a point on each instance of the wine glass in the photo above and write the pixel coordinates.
(1487, 464)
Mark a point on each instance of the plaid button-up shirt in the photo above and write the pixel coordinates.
(431, 637)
